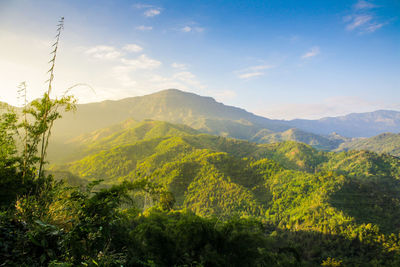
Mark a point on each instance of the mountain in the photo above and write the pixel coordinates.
(122, 133)
(383, 143)
(318, 141)
(201, 113)
(353, 125)
(289, 183)
(206, 115)
(168, 105)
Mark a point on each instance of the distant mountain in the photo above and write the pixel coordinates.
(206, 115)
(318, 141)
(383, 143)
(201, 113)
(353, 125)
(171, 105)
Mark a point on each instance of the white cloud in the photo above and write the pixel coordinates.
(184, 76)
(250, 75)
(358, 21)
(189, 79)
(192, 29)
(363, 18)
(103, 52)
(142, 62)
(312, 53)
(123, 75)
(361, 4)
(152, 12)
(144, 28)
(253, 71)
(176, 65)
(186, 29)
(132, 48)
(374, 27)
(141, 6)
(151, 9)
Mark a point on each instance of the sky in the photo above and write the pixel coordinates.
(279, 59)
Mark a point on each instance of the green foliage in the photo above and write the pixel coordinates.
(383, 143)
(173, 197)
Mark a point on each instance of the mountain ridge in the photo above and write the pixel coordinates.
(205, 114)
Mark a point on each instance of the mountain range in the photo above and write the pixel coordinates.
(206, 115)
(214, 175)
(365, 124)
(338, 205)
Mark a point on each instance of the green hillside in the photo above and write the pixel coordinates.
(168, 105)
(119, 134)
(201, 113)
(289, 183)
(318, 141)
(383, 143)
(172, 196)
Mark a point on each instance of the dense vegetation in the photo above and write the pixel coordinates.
(342, 206)
(172, 196)
(383, 143)
(201, 113)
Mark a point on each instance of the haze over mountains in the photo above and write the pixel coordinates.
(366, 124)
(208, 116)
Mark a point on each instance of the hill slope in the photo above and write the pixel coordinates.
(383, 143)
(201, 113)
(169, 105)
(289, 183)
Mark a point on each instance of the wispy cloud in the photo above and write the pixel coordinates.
(260, 67)
(134, 73)
(250, 75)
(361, 4)
(314, 51)
(358, 21)
(144, 28)
(253, 71)
(124, 73)
(374, 27)
(188, 78)
(186, 29)
(132, 48)
(142, 6)
(152, 12)
(181, 66)
(142, 62)
(103, 52)
(192, 29)
(363, 18)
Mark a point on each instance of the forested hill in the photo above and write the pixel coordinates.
(383, 143)
(208, 116)
(289, 183)
(168, 105)
(201, 113)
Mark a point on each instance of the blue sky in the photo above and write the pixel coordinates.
(279, 59)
